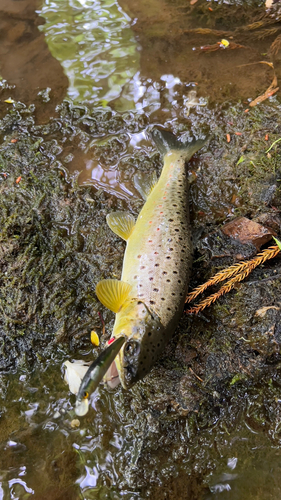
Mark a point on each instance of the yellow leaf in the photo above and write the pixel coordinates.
(95, 338)
(224, 43)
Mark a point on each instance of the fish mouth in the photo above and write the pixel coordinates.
(95, 373)
(112, 376)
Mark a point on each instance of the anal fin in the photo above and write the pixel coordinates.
(121, 223)
(113, 293)
(144, 183)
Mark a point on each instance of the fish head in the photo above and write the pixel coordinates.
(144, 344)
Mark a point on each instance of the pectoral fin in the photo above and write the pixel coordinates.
(121, 223)
(144, 183)
(113, 293)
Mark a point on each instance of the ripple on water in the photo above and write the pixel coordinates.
(95, 45)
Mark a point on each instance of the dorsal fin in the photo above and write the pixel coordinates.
(113, 293)
(121, 223)
(144, 183)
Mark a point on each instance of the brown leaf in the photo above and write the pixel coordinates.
(263, 310)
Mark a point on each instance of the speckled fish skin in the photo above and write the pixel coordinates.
(157, 264)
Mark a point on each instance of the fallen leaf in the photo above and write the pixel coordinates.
(193, 2)
(248, 231)
(95, 338)
(9, 101)
(74, 372)
(263, 310)
(241, 159)
(18, 180)
(224, 43)
(278, 243)
(228, 137)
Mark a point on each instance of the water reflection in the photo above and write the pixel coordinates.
(25, 60)
(95, 45)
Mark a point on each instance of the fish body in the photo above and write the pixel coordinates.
(149, 299)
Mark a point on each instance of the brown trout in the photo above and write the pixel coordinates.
(149, 299)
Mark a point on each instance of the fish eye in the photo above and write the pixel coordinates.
(129, 347)
(132, 348)
(85, 395)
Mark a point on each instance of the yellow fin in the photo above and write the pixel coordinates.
(144, 183)
(113, 293)
(121, 223)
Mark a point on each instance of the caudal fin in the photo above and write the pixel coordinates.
(166, 141)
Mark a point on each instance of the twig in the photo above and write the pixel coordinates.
(238, 272)
(193, 373)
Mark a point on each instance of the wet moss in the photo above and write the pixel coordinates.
(220, 370)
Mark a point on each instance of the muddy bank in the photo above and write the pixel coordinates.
(218, 382)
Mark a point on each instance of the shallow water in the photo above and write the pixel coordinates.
(137, 60)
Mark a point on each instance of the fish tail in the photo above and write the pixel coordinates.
(166, 141)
